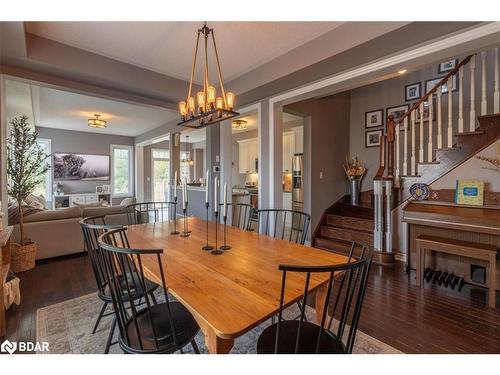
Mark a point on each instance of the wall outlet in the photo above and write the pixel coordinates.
(217, 159)
(321, 175)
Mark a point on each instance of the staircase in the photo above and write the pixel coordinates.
(418, 150)
(467, 144)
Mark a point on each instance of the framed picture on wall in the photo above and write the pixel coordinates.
(446, 66)
(430, 83)
(374, 119)
(106, 189)
(397, 112)
(372, 138)
(99, 189)
(426, 112)
(412, 91)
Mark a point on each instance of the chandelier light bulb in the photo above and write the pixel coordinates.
(230, 100)
(191, 105)
(200, 96)
(219, 103)
(183, 109)
(211, 96)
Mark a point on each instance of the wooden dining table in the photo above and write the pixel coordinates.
(231, 293)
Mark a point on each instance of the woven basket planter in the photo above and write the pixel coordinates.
(23, 256)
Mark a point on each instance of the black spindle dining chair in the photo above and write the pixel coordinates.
(165, 327)
(340, 313)
(281, 223)
(238, 214)
(150, 212)
(92, 228)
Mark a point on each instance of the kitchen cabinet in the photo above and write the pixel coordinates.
(299, 139)
(288, 151)
(248, 152)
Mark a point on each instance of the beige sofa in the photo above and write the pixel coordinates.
(58, 232)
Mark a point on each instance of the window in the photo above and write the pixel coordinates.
(184, 166)
(160, 168)
(45, 188)
(122, 170)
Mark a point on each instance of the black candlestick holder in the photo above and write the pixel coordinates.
(225, 246)
(185, 232)
(216, 251)
(207, 247)
(175, 231)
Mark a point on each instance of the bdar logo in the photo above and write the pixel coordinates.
(9, 347)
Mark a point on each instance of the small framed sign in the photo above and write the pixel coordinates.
(374, 119)
(469, 192)
(412, 91)
(446, 66)
(372, 138)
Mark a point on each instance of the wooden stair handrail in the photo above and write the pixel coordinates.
(434, 89)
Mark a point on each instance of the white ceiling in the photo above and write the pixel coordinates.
(195, 135)
(66, 110)
(167, 47)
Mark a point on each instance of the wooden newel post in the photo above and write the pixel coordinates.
(390, 146)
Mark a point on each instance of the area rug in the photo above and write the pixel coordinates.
(67, 327)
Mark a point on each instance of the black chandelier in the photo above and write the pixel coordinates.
(209, 108)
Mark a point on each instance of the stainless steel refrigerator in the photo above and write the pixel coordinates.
(297, 183)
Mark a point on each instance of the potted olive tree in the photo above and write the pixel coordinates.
(26, 167)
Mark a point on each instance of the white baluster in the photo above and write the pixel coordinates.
(460, 99)
(388, 216)
(472, 120)
(430, 155)
(412, 160)
(378, 230)
(484, 103)
(421, 135)
(397, 153)
(405, 147)
(450, 114)
(496, 94)
(439, 120)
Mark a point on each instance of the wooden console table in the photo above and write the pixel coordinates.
(480, 225)
(4, 269)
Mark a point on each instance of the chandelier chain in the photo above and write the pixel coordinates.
(219, 73)
(193, 66)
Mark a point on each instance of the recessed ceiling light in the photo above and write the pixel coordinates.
(402, 71)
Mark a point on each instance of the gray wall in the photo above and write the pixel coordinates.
(83, 143)
(391, 93)
(327, 136)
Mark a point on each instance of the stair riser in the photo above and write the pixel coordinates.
(350, 222)
(335, 246)
(347, 235)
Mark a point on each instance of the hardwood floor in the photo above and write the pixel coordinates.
(432, 320)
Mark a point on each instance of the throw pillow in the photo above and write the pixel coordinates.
(127, 201)
(33, 201)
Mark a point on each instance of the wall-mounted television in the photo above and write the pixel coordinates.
(70, 166)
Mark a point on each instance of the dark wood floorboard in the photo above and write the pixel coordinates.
(432, 320)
